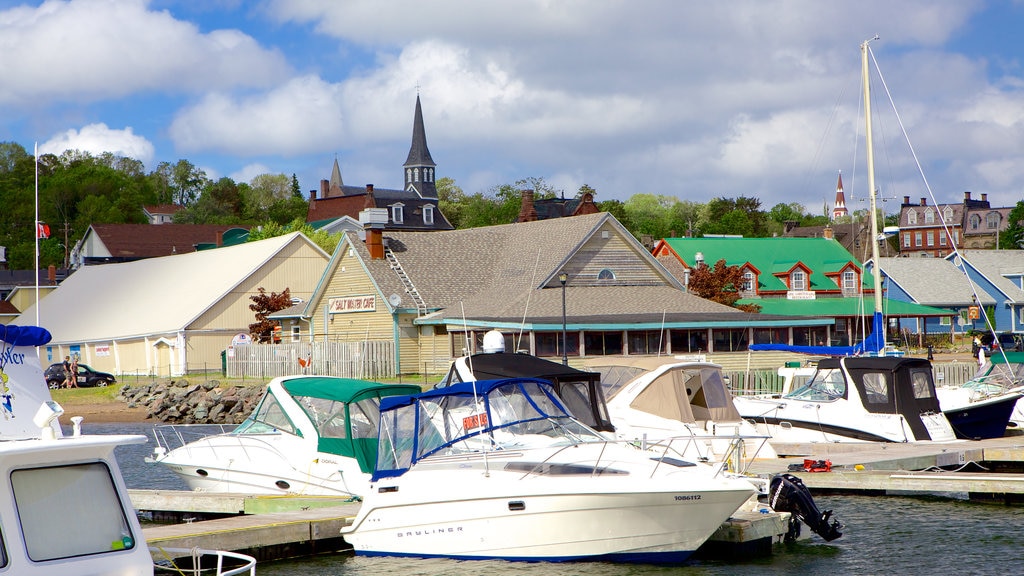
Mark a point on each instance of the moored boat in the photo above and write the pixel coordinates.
(499, 469)
(310, 435)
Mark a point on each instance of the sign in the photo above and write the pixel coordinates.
(352, 304)
(103, 349)
(801, 295)
(474, 421)
(974, 312)
(241, 339)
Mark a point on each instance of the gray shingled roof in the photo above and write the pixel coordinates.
(994, 264)
(932, 281)
(496, 272)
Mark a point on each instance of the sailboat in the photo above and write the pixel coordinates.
(866, 393)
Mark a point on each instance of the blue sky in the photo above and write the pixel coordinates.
(682, 98)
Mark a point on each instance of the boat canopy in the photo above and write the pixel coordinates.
(472, 417)
(579, 390)
(692, 393)
(344, 412)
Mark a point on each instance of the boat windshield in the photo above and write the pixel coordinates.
(268, 418)
(518, 415)
(1000, 377)
(826, 385)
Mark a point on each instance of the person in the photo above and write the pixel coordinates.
(73, 373)
(67, 372)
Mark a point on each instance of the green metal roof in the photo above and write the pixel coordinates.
(843, 307)
(774, 256)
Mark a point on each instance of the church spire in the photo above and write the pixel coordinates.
(840, 207)
(336, 184)
(419, 166)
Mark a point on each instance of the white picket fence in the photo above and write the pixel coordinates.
(368, 360)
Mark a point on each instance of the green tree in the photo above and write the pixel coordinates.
(1013, 237)
(450, 200)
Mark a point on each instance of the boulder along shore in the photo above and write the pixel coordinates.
(170, 401)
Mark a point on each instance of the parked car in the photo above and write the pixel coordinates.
(1011, 342)
(87, 377)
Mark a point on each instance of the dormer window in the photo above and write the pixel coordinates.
(428, 214)
(911, 217)
(975, 221)
(992, 220)
(849, 281)
(947, 214)
(398, 213)
(748, 281)
(929, 216)
(798, 280)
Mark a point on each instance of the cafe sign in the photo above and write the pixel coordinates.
(352, 304)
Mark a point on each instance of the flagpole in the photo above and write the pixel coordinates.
(35, 230)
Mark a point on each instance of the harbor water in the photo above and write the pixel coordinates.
(882, 535)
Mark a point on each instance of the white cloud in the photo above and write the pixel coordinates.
(250, 171)
(97, 139)
(301, 116)
(87, 50)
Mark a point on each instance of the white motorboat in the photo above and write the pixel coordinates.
(67, 509)
(499, 469)
(855, 399)
(1002, 373)
(310, 435)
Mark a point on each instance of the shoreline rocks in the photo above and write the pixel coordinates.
(183, 401)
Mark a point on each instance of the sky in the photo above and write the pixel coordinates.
(683, 98)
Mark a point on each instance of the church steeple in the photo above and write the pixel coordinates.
(336, 183)
(840, 207)
(419, 166)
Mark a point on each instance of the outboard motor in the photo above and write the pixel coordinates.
(788, 494)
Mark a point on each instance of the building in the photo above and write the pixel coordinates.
(803, 277)
(112, 243)
(999, 274)
(839, 210)
(532, 209)
(171, 315)
(414, 207)
(436, 294)
(933, 231)
(161, 213)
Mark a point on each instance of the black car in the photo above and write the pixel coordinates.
(1010, 342)
(87, 377)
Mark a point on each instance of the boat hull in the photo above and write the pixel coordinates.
(535, 519)
(979, 420)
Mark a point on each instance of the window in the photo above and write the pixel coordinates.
(398, 213)
(550, 344)
(921, 383)
(947, 214)
(975, 222)
(992, 220)
(408, 174)
(917, 239)
(906, 240)
(416, 174)
(689, 341)
(929, 216)
(296, 333)
(646, 342)
(849, 281)
(748, 281)
(729, 340)
(798, 280)
(428, 214)
(59, 523)
(602, 343)
(606, 274)
(268, 419)
(942, 238)
(876, 388)
(944, 320)
(931, 238)
(956, 237)
(911, 217)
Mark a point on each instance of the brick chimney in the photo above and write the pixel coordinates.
(527, 213)
(51, 274)
(967, 195)
(370, 201)
(375, 242)
(312, 195)
(984, 197)
(828, 233)
(924, 201)
(906, 200)
(325, 189)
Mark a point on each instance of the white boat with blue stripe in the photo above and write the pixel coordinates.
(499, 469)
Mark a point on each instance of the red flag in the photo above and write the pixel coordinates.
(42, 230)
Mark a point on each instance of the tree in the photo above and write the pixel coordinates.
(264, 305)
(720, 283)
(752, 223)
(1013, 237)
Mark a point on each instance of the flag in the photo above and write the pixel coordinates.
(42, 230)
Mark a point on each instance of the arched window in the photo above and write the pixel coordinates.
(947, 214)
(911, 217)
(992, 220)
(398, 213)
(408, 174)
(929, 216)
(428, 214)
(606, 274)
(975, 221)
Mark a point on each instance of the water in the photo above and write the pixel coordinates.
(882, 535)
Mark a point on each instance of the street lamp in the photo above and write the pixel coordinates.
(563, 277)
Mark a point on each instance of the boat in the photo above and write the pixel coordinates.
(1002, 373)
(67, 509)
(854, 399)
(978, 412)
(499, 469)
(309, 435)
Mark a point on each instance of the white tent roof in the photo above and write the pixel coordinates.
(151, 296)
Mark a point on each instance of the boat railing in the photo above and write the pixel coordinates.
(198, 561)
(173, 436)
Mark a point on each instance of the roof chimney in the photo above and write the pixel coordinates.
(375, 243)
(906, 200)
(924, 201)
(312, 195)
(827, 233)
(527, 212)
(967, 195)
(370, 202)
(325, 189)
(984, 197)
(51, 274)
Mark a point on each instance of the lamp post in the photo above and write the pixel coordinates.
(563, 277)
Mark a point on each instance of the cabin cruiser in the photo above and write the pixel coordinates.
(67, 509)
(309, 435)
(500, 469)
(1002, 373)
(855, 399)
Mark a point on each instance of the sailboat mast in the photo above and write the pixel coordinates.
(871, 179)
